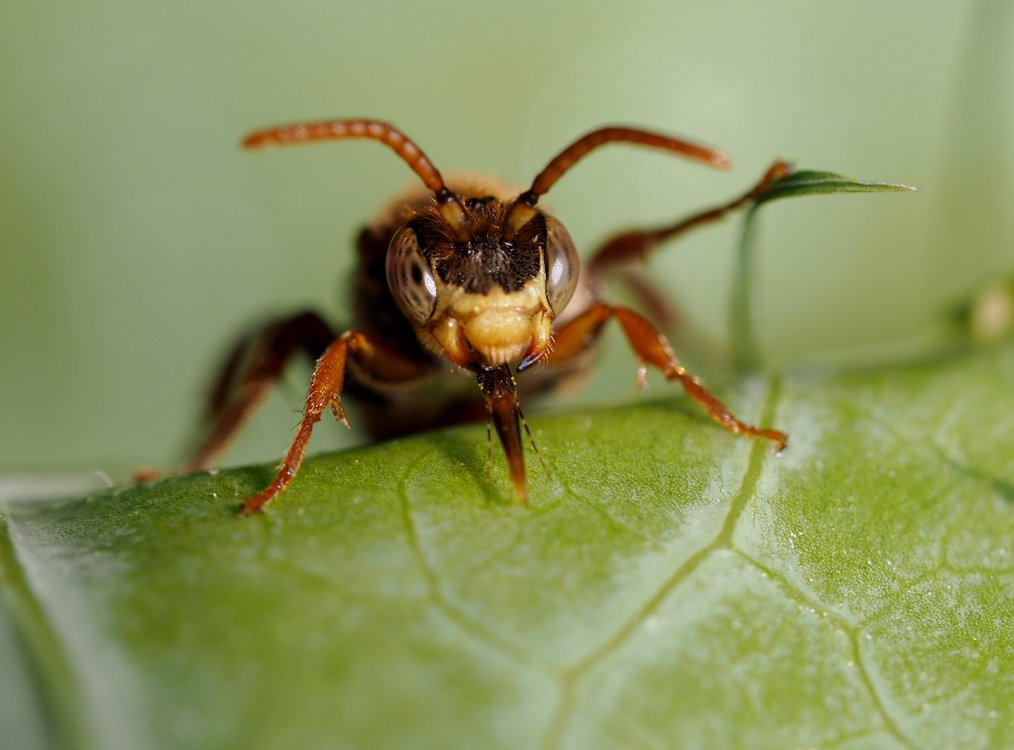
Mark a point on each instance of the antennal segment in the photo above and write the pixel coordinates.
(523, 209)
(336, 130)
(448, 203)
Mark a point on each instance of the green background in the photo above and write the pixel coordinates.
(137, 239)
(868, 565)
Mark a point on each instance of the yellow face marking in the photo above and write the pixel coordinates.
(498, 327)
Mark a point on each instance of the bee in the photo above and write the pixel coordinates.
(461, 278)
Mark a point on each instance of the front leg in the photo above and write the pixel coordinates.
(651, 348)
(252, 368)
(377, 361)
(238, 391)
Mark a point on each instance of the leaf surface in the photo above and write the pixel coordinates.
(669, 585)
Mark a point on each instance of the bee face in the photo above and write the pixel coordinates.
(487, 300)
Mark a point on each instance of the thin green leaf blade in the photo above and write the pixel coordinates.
(816, 182)
(747, 354)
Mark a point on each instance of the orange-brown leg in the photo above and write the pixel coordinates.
(635, 245)
(235, 397)
(377, 362)
(251, 369)
(651, 348)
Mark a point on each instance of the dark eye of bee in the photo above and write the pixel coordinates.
(410, 278)
(562, 265)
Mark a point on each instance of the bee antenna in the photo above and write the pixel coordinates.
(448, 203)
(523, 208)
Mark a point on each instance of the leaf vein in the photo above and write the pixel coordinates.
(470, 625)
(851, 630)
(569, 677)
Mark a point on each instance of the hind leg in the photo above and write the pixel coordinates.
(635, 245)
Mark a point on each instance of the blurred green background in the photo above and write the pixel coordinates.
(137, 239)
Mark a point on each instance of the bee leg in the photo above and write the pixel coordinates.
(375, 361)
(652, 300)
(635, 245)
(245, 378)
(651, 348)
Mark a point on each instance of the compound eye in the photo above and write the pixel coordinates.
(410, 277)
(562, 265)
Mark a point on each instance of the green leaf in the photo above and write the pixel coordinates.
(746, 352)
(670, 585)
(813, 182)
